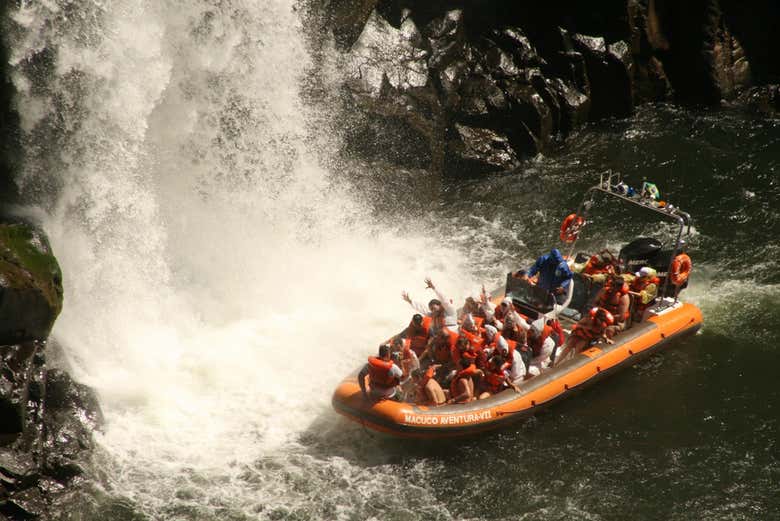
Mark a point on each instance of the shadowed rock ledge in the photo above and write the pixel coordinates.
(463, 87)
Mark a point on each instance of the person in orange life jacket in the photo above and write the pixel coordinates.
(492, 337)
(600, 266)
(418, 333)
(464, 349)
(462, 385)
(496, 378)
(407, 359)
(614, 298)
(488, 311)
(407, 389)
(592, 327)
(542, 345)
(515, 326)
(468, 323)
(473, 308)
(429, 392)
(441, 347)
(503, 309)
(645, 289)
(557, 331)
(498, 345)
(383, 376)
(476, 342)
(471, 330)
(440, 309)
(491, 320)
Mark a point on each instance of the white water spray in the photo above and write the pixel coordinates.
(217, 284)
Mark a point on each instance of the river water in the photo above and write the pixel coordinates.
(220, 280)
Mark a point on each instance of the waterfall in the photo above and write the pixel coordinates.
(218, 282)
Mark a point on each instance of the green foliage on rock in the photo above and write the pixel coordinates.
(30, 284)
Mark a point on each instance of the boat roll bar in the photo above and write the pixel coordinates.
(670, 212)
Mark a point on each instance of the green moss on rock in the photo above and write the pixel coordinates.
(30, 284)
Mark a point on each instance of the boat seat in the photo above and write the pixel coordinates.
(585, 291)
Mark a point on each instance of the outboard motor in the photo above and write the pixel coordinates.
(647, 251)
(643, 251)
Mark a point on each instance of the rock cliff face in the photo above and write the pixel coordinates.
(9, 119)
(46, 419)
(466, 87)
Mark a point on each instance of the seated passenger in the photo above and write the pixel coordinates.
(600, 266)
(383, 376)
(614, 298)
(441, 310)
(429, 392)
(441, 347)
(462, 385)
(471, 329)
(509, 350)
(554, 274)
(515, 327)
(542, 345)
(488, 311)
(506, 307)
(645, 289)
(491, 320)
(407, 359)
(496, 378)
(463, 350)
(473, 308)
(492, 338)
(591, 328)
(557, 331)
(418, 333)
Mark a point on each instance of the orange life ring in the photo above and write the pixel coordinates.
(570, 227)
(680, 270)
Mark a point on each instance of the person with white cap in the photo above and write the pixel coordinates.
(542, 344)
(496, 344)
(644, 288)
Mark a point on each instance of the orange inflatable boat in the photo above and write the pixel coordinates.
(663, 322)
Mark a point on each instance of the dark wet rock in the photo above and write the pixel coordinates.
(388, 76)
(609, 69)
(703, 59)
(30, 284)
(17, 371)
(26, 504)
(10, 132)
(575, 105)
(347, 19)
(18, 470)
(514, 39)
(72, 413)
(764, 100)
(531, 72)
(446, 37)
(387, 65)
(482, 149)
(529, 107)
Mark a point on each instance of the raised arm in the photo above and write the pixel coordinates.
(446, 304)
(418, 306)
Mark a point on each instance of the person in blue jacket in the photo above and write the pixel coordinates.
(554, 274)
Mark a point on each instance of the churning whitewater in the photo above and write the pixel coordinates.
(217, 283)
(220, 282)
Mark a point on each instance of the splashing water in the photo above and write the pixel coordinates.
(218, 285)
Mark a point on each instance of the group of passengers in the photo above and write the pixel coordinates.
(442, 357)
